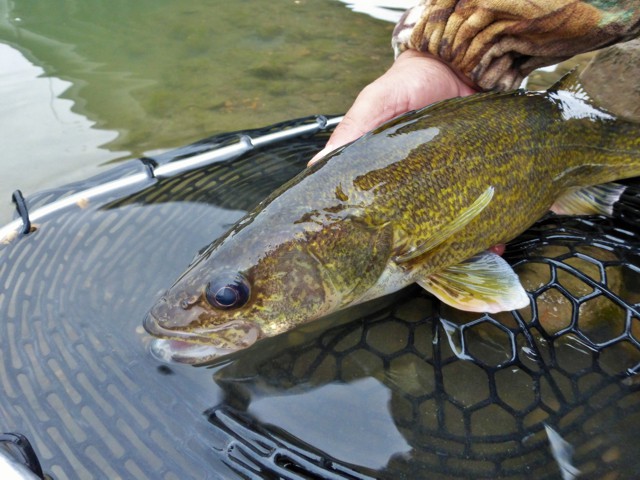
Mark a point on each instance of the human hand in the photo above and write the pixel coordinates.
(415, 80)
(497, 43)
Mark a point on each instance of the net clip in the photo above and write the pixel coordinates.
(23, 211)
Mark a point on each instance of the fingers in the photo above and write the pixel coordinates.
(496, 43)
(498, 249)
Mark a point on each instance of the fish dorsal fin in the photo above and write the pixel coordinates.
(465, 216)
(484, 283)
(593, 200)
(569, 82)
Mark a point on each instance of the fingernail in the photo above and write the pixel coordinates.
(318, 156)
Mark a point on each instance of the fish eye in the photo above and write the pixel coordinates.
(228, 293)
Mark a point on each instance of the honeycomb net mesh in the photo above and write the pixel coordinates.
(474, 395)
(401, 388)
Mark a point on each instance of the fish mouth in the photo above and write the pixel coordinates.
(201, 344)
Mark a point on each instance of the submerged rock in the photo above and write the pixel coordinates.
(622, 63)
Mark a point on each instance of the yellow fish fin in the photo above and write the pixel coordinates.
(447, 231)
(483, 283)
(594, 200)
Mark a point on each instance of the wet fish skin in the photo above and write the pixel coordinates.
(368, 219)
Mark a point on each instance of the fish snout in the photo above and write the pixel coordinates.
(150, 324)
(171, 315)
(163, 320)
(155, 325)
(202, 345)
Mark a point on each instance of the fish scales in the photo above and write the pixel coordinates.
(419, 199)
(544, 147)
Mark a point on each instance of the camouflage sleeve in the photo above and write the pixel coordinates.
(496, 43)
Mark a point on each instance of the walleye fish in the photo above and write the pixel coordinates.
(420, 199)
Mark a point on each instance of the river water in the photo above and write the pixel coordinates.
(86, 84)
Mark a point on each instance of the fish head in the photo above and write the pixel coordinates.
(229, 305)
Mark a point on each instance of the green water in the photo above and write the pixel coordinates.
(83, 84)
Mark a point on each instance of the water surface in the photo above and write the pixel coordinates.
(85, 84)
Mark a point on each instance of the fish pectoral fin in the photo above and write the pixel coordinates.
(593, 200)
(483, 283)
(463, 219)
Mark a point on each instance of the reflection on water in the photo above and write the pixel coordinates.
(38, 128)
(148, 68)
(389, 10)
(165, 73)
(339, 420)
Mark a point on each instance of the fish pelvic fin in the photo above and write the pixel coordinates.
(483, 283)
(462, 220)
(593, 200)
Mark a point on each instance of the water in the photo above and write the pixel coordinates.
(86, 84)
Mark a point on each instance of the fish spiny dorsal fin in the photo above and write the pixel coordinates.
(574, 101)
(465, 216)
(570, 82)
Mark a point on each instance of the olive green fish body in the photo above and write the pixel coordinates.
(416, 200)
(525, 149)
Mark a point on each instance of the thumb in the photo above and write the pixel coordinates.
(347, 131)
(364, 115)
